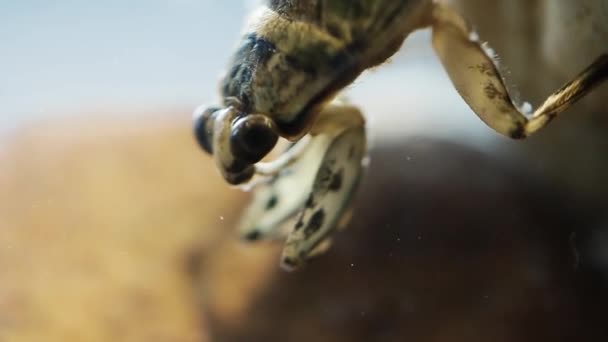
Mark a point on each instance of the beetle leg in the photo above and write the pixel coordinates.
(323, 177)
(280, 198)
(286, 159)
(335, 184)
(472, 69)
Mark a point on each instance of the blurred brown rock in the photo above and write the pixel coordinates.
(113, 230)
(446, 244)
(96, 216)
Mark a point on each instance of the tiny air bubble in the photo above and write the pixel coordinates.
(473, 36)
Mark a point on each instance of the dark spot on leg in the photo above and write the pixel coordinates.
(336, 181)
(300, 224)
(491, 91)
(315, 223)
(272, 202)
(310, 202)
(351, 152)
(487, 69)
(517, 132)
(253, 235)
(324, 174)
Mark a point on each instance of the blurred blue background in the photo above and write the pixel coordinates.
(62, 55)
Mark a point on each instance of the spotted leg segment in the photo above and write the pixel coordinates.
(475, 76)
(283, 196)
(333, 188)
(312, 195)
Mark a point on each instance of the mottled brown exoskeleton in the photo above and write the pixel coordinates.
(294, 58)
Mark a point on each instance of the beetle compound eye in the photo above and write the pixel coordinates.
(203, 127)
(252, 138)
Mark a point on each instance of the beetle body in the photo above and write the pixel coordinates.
(295, 55)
